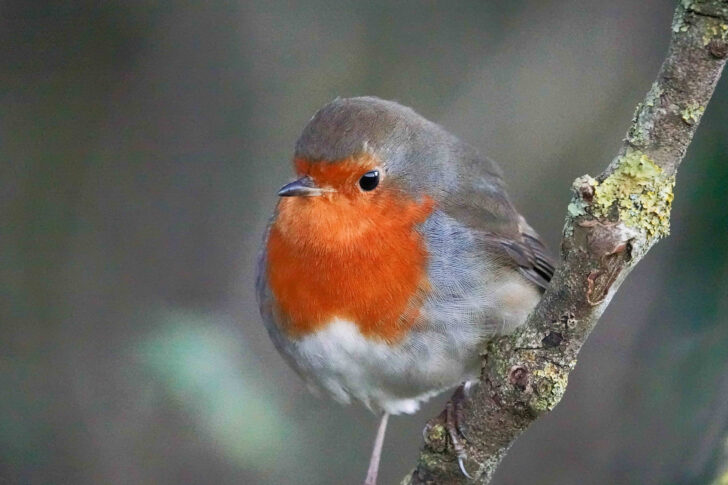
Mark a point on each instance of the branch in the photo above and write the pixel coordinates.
(611, 223)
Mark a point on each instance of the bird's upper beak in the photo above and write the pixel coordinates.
(305, 186)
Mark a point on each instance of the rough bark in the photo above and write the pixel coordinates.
(611, 223)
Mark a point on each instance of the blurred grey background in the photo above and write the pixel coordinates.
(141, 146)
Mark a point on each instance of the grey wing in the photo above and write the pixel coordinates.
(481, 202)
(531, 255)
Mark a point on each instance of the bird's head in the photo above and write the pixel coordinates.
(359, 172)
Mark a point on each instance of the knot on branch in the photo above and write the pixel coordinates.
(526, 373)
(533, 387)
(718, 48)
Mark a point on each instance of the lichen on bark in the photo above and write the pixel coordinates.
(611, 222)
(639, 192)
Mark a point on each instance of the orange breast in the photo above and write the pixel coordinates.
(355, 258)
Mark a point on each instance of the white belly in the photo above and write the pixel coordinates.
(393, 378)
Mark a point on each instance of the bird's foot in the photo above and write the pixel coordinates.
(448, 427)
(453, 425)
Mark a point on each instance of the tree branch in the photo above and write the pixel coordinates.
(611, 223)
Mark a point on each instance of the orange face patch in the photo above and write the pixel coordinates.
(348, 254)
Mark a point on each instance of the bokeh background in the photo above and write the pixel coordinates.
(141, 146)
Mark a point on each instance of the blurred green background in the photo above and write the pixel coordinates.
(141, 146)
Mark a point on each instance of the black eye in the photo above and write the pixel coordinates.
(369, 180)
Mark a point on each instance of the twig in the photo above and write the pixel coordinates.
(611, 223)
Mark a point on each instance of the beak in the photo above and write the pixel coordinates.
(304, 186)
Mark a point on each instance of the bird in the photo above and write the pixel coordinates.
(392, 259)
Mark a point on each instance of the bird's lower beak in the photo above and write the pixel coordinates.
(305, 186)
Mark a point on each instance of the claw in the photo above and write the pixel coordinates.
(461, 464)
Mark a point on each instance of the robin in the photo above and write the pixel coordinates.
(392, 259)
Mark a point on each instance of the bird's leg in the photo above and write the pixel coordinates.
(453, 417)
(377, 452)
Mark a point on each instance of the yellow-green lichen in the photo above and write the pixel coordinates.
(433, 462)
(640, 194)
(550, 385)
(499, 350)
(436, 433)
(436, 438)
(692, 113)
(717, 32)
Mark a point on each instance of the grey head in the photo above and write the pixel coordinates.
(419, 154)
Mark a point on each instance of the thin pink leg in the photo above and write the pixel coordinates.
(376, 452)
